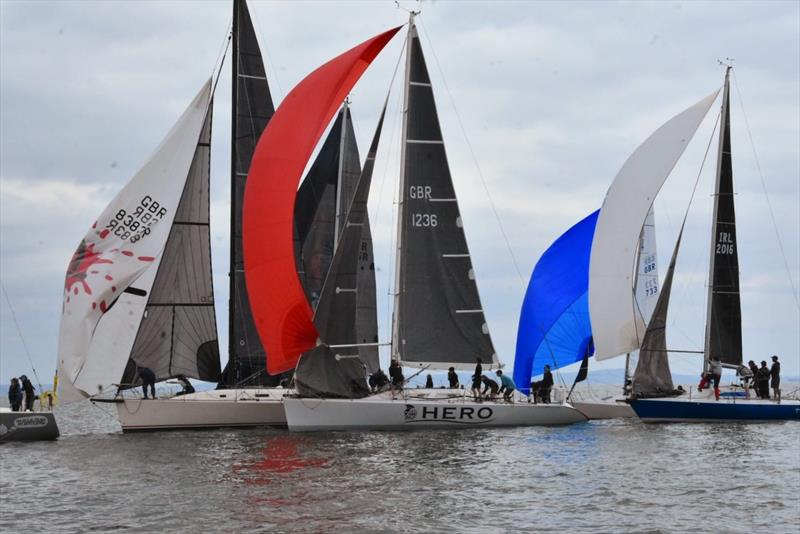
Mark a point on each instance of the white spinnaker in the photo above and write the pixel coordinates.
(122, 249)
(617, 324)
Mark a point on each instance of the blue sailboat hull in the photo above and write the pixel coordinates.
(679, 410)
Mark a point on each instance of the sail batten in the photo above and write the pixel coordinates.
(438, 316)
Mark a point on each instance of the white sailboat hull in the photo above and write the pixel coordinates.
(382, 412)
(207, 409)
(614, 408)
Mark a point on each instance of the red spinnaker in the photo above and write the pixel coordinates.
(281, 312)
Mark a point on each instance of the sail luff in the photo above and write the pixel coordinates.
(395, 346)
(340, 191)
(723, 337)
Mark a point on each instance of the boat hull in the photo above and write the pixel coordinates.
(686, 410)
(612, 409)
(380, 413)
(27, 426)
(207, 409)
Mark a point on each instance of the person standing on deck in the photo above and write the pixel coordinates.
(15, 395)
(547, 385)
(30, 396)
(775, 374)
(148, 379)
(762, 380)
(753, 383)
(507, 386)
(476, 379)
(452, 378)
(746, 376)
(396, 374)
(429, 382)
(715, 374)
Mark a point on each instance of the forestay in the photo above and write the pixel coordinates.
(438, 316)
(617, 322)
(123, 243)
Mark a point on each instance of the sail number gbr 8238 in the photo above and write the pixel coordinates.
(422, 220)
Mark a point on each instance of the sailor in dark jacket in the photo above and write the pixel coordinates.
(490, 386)
(148, 379)
(775, 374)
(762, 380)
(15, 395)
(396, 374)
(30, 396)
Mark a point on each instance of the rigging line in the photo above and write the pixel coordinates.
(218, 70)
(19, 331)
(766, 195)
(475, 159)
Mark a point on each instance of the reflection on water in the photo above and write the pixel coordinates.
(617, 475)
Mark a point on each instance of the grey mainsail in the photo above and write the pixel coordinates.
(724, 326)
(340, 372)
(178, 331)
(252, 109)
(438, 316)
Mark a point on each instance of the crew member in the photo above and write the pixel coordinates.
(547, 385)
(15, 395)
(429, 382)
(396, 374)
(775, 375)
(378, 380)
(753, 383)
(28, 389)
(715, 373)
(762, 380)
(452, 378)
(490, 387)
(187, 386)
(148, 378)
(507, 386)
(476, 379)
(746, 376)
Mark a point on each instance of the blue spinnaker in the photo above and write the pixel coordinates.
(554, 327)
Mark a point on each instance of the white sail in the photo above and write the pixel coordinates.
(617, 323)
(125, 243)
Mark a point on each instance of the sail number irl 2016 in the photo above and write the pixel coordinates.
(422, 220)
(135, 224)
(725, 243)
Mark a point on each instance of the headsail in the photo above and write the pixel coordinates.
(123, 243)
(281, 311)
(340, 372)
(438, 316)
(554, 327)
(252, 110)
(724, 321)
(178, 331)
(617, 323)
(652, 377)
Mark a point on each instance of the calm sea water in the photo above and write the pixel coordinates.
(609, 476)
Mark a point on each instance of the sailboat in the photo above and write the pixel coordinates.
(554, 325)
(618, 325)
(158, 312)
(438, 318)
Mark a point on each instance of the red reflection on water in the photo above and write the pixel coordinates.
(281, 455)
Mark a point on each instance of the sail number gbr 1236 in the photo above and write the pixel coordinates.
(422, 220)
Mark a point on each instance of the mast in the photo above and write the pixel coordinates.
(339, 188)
(395, 343)
(723, 338)
(232, 363)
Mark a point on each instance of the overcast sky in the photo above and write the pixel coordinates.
(553, 97)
